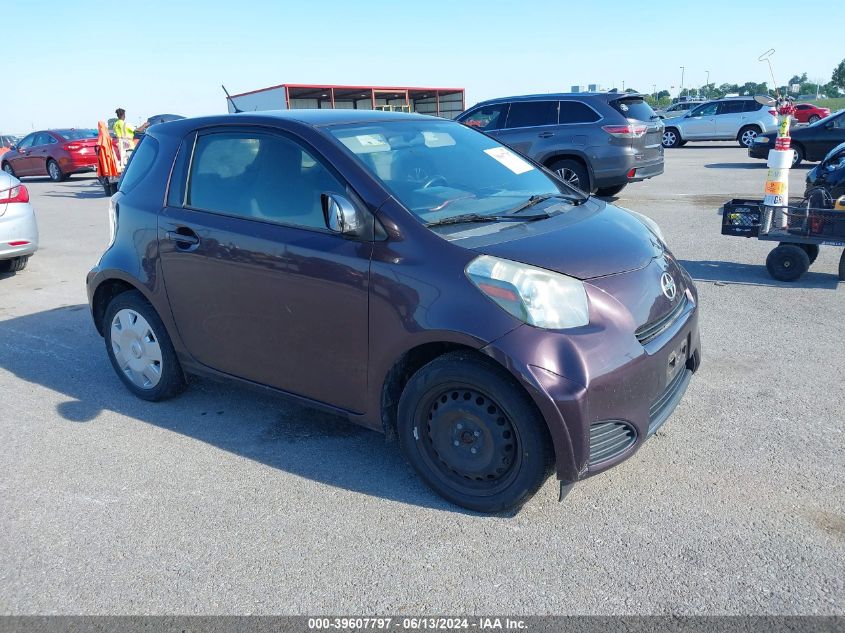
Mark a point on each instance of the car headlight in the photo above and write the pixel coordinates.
(536, 296)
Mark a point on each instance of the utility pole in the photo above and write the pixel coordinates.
(682, 81)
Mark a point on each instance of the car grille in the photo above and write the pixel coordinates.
(653, 329)
(609, 438)
(656, 412)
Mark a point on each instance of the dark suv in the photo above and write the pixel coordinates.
(598, 142)
(408, 273)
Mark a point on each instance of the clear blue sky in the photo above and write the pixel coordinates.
(73, 62)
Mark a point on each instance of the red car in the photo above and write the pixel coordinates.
(808, 113)
(53, 153)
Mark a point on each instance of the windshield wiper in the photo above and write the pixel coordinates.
(538, 198)
(477, 217)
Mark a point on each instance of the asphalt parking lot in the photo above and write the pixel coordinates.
(224, 501)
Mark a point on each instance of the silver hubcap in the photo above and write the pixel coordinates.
(7, 169)
(668, 138)
(54, 171)
(748, 137)
(136, 348)
(569, 177)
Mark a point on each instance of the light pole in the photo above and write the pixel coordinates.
(707, 83)
(654, 91)
(682, 81)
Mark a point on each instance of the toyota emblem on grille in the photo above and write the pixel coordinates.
(667, 284)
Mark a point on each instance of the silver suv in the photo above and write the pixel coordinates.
(740, 119)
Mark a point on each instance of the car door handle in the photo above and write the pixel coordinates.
(183, 236)
(546, 134)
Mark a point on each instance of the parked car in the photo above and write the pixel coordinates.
(18, 228)
(404, 271)
(809, 113)
(740, 119)
(597, 142)
(53, 153)
(830, 173)
(810, 143)
(6, 143)
(155, 120)
(677, 109)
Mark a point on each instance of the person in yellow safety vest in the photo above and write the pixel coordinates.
(121, 128)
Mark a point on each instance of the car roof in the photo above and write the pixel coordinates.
(313, 117)
(606, 96)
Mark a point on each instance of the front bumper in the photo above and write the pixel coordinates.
(759, 150)
(601, 379)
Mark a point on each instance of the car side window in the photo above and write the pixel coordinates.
(839, 122)
(532, 113)
(490, 117)
(752, 106)
(708, 109)
(42, 138)
(577, 112)
(27, 141)
(731, 107)
(260, 177)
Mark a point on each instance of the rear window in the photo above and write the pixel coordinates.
(76, 135)
(633, 108)
(139, 164)
(532, 113)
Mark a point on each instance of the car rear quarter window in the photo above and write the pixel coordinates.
(260, 177)
(532, 113)
(633, 108)
(140, 162)
(577, 112)
(490, 117)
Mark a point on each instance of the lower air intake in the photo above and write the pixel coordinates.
(609, 438)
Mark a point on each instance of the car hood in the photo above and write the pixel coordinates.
(591, 240)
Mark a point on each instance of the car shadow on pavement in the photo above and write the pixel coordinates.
(759, 165)
(83, 194)
(60, 350)
(753, 275)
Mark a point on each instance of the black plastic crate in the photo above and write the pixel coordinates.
(741, 218)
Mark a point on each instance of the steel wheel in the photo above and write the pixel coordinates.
(471, 444)
(747, 137)
(136, 348)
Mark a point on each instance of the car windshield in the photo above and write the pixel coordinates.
(441, 169)
(76, 135)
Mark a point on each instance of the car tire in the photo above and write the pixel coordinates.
(54, 171)
(14, 265)
(7, 167)
(610, 191)
(573, 173)
(798, 156)
(787, 262)
(140, 349)
(842, 266)
(747, 135)
(813, 118)
(472, 434)
(812, 250)
(671, 137)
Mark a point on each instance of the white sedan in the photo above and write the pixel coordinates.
(18, 229)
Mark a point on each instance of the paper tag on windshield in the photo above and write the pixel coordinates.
(509, 159)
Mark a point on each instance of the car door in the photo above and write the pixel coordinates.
(258, 287)
(730, 118)
(829, 134)
(700, 123)
(529, 126)
(19, 159)
(40, 152)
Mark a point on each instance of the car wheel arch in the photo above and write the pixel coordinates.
(581, 158)
(105, 293)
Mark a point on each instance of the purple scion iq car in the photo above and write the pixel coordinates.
(409, 273)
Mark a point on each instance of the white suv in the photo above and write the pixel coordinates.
(740, 119)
